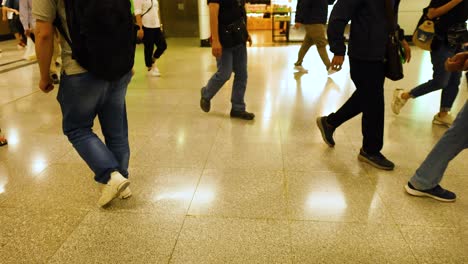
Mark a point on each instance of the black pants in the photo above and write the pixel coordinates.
(368, 99)
(152, 37)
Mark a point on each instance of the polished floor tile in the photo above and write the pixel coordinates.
(242, 193)
(335, 197)
(319, 242)
(205, 240)
(120, 238)
(34, 235)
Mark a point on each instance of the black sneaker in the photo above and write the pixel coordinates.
(242, 115)
(326, 130)
(55, 78)
(377, 160)
(438, 193)
(205, 104)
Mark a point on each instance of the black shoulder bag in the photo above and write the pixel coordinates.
(235, 33)
(393, 63)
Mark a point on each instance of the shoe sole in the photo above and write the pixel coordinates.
(301, 71)
(417, 193)
(322, 131)
(366, 160)
(120, 188)
(439, 123)
(125, 197)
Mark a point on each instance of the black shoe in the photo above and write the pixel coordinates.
(377, 160)
(438, 193)
(242, 115)
(326, 130)
(55, 78)
(205, 104)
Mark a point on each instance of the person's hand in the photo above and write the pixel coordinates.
(140, 34)
(46, 85)
(249, 40)
(337, 62)
(16, 12)
(216, 49)
(457, 62)
(407, 49)
(297, 25)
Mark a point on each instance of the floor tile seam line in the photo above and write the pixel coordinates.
(17, 99)
(68, 237)
(191, 200)
(284, 171)
(343, 222)
(17, 67)
(223, 217)
(409, 244)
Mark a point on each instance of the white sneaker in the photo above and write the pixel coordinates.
(299, 68)
(113, 188)
(331, 71)
(125, 194)
(398, 102)
(154, 71)
(447, 120)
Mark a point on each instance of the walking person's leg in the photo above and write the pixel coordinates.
(305, 46)
(440, 79)
(80, 97)
(161, 44)
(148, 42)
(240, 84)
(318, 34)
(426, 180)
(225, 67)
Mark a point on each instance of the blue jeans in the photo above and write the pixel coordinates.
(232, 60)
(441, 79)
(82, 97)
(455, 140)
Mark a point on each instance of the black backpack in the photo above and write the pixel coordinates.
(102, 36)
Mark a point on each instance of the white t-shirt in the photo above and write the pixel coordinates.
(9, 13)
(150, 19)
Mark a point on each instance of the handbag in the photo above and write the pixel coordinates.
(233, 34)
(424, 32)
(393, 62)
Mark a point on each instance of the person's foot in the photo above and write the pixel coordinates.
(55, 78)
(205, 104)
(242, 115)
(445, 120)
(116, 184)
(398, 102)
(327, 130)
(438, 193)
(154, 72)
(125, 194)
(299, 68)
(3, 140)
(377, 160)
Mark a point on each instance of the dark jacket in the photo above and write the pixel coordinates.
(368, 36)
(312, 11)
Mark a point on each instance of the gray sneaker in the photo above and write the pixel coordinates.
(398, 102)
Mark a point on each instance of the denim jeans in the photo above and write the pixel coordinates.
(441, 79)
(232, 60)
(455, 139)
(82, 97)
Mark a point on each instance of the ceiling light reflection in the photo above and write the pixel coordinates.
(38, 164)
(12, 136)
(202, 196)
(3, 183)
(327, 201)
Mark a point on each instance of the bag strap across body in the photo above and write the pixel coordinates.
(149, 9)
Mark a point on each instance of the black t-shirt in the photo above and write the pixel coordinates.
(230, 10)
(458, 14)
